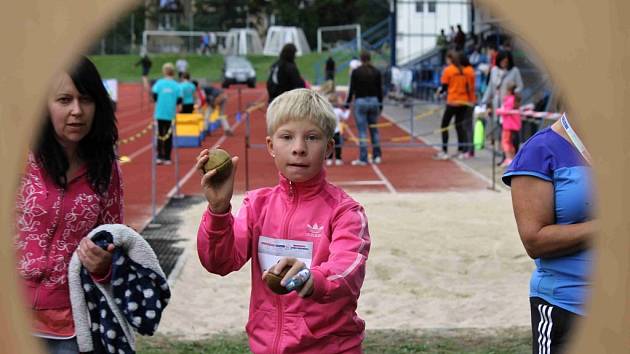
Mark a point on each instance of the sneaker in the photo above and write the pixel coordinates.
(441, 156)
(338, 162)
(167, 162)
(463, 156)
(377, 160)
(159, 161)
(329, 162)
(358, 163)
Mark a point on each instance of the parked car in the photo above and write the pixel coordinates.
(238, 70)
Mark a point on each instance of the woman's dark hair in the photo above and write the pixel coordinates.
(365, 56)
(97, 148)
(454, 57)
(288, 52)
(503, 54)
(463, 60)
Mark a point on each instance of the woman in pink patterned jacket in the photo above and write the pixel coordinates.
(72, 184)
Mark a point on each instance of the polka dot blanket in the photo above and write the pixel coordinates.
(106, 315)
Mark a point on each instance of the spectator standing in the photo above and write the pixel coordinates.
(146, 64)
(212, 42)
(187, 89)
(442, 42)
(367, 91)
(330, 68)
(456, 83)
(552, 196)
(511, 124)
(182, 66)
(341, 114)
(168, 98)
(505, 72)
(451, 37)
(205, 44)
(284, 74)
(460, 39)
(72, 184)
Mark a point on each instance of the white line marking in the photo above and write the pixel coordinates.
(139, 152)
(377, 170)
(359, 183)
(380, 174)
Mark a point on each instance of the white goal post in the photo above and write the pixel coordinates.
(356, 27)
(174, 41)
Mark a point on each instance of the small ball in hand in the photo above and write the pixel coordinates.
(221, 161)
(273, 281)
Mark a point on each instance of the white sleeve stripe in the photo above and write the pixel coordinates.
(363, 223)
(361, 247)
(348, 270)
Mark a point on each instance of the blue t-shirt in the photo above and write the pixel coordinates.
(562, 281)
(168, 92)
(188, 92)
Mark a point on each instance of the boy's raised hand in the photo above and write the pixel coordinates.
(218, 195)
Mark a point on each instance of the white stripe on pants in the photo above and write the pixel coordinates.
(544, 329)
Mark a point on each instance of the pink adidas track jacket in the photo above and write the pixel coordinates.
(316, 215)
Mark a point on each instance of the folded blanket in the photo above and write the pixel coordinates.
(106, 315)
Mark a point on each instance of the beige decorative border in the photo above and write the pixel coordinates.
(582, 43)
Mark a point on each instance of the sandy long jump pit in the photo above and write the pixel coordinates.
(437, 260)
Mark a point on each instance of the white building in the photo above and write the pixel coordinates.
(419, 23)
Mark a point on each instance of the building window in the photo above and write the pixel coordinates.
(419, 6)
(431, 6)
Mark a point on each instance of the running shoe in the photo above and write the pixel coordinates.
(359, 163)
(441, 156)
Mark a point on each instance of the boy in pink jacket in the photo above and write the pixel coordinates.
(303, 222)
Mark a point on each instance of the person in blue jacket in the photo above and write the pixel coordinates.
(168, 99)
(188, 93)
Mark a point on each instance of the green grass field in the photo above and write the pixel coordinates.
(122, 67)
(508, 341)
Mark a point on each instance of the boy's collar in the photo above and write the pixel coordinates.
(310, 187)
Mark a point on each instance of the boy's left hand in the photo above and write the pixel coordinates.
(296, 266)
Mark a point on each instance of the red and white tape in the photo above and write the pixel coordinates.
(530, 113)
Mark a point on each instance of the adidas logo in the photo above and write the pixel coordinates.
(314, 230)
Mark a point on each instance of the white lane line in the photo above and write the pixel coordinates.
(139, 152)
(379, 173)
(359, 183)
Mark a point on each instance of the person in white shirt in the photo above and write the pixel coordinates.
(182, 66)
(340, 114)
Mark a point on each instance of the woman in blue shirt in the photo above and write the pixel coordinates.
(552, 199)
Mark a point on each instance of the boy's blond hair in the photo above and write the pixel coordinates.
(168, 69)
(299, 105)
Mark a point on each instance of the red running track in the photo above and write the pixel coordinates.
(404, 169)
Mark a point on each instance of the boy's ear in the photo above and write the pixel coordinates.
(269, 143)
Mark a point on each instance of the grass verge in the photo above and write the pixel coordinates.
(123, 68)
(443, 341)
